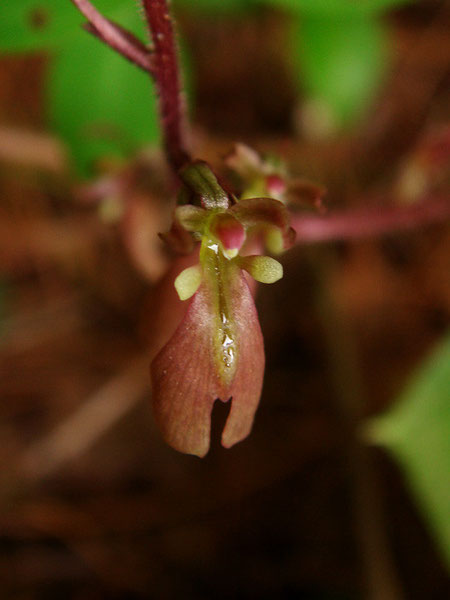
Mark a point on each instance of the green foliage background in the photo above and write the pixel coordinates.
(101, 106)
(417, 432)
(99, 103)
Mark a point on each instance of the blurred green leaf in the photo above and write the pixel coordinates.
(417, 431)
(339, 63)
(334, 8)
(27, 25)
(97, 101)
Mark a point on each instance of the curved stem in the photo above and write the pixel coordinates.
(161, 63)
(367, 222)
(115, 36)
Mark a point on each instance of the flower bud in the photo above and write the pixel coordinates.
(276, 186)
(230, 232)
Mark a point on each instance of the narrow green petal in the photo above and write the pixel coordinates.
(188, 282)
(262, 268)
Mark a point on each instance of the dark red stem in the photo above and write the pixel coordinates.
(166, 75)
(369, 222)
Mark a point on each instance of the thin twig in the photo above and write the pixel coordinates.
(166, 75)
(161, 63)
(369, 222)
(38, 326)
(94, 417)
(119, 39)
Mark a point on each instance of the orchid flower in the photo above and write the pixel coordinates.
(217, 350)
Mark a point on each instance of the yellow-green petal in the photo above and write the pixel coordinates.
(262, 268)
(188, 282)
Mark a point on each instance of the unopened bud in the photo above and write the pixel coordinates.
(230, 232)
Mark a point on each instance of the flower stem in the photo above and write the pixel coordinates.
(167, 80)
(369, 222)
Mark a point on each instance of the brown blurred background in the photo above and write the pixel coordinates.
(93, 503)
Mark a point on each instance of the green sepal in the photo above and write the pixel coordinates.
(201, 182)
(192, 218)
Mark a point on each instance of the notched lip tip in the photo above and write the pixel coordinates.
(198, 453)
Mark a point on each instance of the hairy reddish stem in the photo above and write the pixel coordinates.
(368, 222)
(115, 36)
(166, 75)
